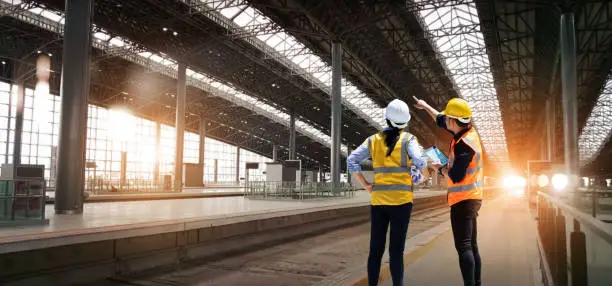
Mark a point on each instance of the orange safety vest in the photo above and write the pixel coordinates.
(471, 186)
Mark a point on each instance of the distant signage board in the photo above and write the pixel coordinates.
(252, 165)
(296, 164)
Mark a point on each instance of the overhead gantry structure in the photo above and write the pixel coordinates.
(525, 51)
(397, 49)
(131, 75)
(274, 57)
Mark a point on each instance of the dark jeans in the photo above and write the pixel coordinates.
(463, 221)
(381, 217)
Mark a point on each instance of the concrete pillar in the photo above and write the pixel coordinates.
(553, 130)
(320, 173)
(274, 153)
(202, 146)
(292, 137)
(569, 86)
(201, 149)
(180, 126)
(336, 111)
(123, 177)
(348, 173)
(549, 130)
(74, 91)
(216, 171)
(20, 85)
(157, 153)
(8, 124)
(237, 165)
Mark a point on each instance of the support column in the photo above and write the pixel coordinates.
(274, 153)
(336, 111)
(320, 173)
(216, 171)
(202, 147)
(74, 91)
(20, 85)
(180, 126)
(549, 129)
(348, 173)
(292, 137)
(553, 130)
(568, 79)
(157, 153)
(123, 177)
(202, 141)
(237, 165)
(8, 125)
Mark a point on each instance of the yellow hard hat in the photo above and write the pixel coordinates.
(459, 109)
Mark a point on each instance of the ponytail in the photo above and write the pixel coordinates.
(391, 137)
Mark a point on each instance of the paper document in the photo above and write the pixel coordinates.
(435, 155)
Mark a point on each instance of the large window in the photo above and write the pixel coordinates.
(225, 156)
(114, 137)
(250, 157)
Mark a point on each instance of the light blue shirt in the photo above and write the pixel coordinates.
(414, 151)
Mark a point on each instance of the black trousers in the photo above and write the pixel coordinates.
(381, 217)
(463, 221)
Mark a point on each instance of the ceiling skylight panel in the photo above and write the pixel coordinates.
(312, 65)
(476, 88)
(243, 19)
(274, 40)
(231, 11)
(598, 128)
(204, 79)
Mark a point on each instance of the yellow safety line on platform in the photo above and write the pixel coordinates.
(409, 258)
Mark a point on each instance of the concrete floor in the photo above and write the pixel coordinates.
(507, 243)
(101, 217)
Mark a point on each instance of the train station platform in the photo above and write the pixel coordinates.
(507, 244)
(186, 193)
(123, 237)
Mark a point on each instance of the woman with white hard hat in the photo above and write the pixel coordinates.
(396, 159)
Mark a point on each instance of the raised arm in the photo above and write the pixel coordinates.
(421, 104)
(416, 154)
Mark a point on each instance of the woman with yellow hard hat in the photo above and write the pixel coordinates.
(396, 158)
(464, 177)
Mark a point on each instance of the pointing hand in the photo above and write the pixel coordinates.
(420, 104)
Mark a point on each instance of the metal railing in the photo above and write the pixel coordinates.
(22, 202)
(295, 191)
(101, 186)
(231, 183)
(597, 201)
(576, 248)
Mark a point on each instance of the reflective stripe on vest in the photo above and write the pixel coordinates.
(465, 188)
(390, 170)
(395, 187)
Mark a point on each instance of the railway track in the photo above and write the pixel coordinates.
(302, 261)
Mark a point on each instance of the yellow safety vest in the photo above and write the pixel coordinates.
(471, 185)
(392, 178)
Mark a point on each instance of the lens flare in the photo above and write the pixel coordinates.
(559, 182)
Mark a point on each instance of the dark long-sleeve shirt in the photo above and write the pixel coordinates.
(463, 153)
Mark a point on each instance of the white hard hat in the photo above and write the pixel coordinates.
(398, 113)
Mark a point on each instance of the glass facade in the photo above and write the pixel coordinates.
(115, 140)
